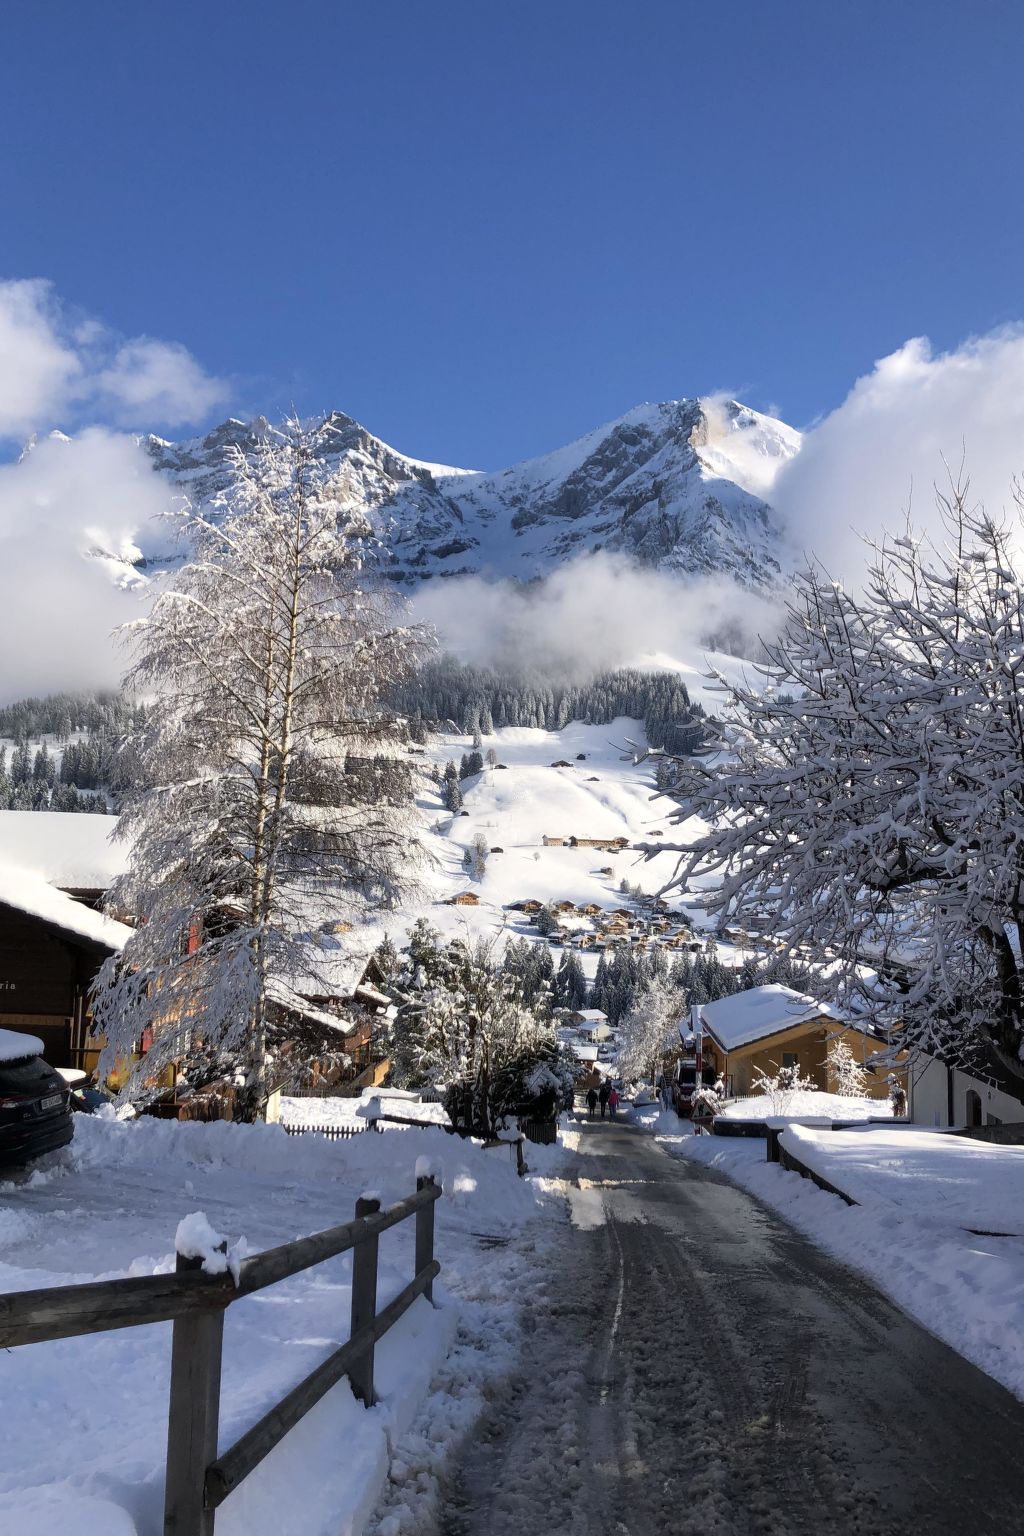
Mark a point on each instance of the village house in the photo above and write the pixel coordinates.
(553, 842)
(591, 1024)
(765, 1028)
(988, 1093)
(55, 870)
(607, 844)
(464, 899)
(51, 947)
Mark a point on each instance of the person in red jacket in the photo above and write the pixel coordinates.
(613, 1101)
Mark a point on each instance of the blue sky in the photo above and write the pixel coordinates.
(484, 229)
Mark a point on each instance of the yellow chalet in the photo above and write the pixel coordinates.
(765, 1028)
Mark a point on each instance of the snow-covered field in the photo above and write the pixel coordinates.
(603, 794)
(908, 1236)
(91, 1425)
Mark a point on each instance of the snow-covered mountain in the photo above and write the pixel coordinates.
(682, 485)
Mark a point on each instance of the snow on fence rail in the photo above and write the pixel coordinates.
(198, 1479)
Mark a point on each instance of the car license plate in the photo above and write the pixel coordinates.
(52, 1101)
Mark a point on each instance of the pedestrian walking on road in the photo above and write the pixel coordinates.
(613, 1101)
(591, 1102)
(603, 1096)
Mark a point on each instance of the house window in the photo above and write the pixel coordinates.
(973, 1107)
(790, 1059)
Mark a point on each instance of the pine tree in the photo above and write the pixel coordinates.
(452, 795)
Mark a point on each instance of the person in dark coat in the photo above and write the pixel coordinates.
(591, 1102)
(603, 1097)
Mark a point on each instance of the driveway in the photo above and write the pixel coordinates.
(698, 1367)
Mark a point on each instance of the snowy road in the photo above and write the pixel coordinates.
(704, 1369)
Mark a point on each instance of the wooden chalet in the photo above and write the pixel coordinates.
(765, 1028)
(51, 947)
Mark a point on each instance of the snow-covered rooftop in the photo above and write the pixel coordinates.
(70, 850)
(759, 1012)
(28, 892)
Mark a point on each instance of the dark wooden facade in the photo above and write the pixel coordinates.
(45, 975)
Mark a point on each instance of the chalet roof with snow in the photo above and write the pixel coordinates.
(758, 1013)
(71, 850)
(28, 892)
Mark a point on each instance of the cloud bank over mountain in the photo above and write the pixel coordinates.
(73, 508)
(668, 530)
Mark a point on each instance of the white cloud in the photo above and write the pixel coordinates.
(561, 625)
(71, 511)
(881, 452)
(38, 367)
(58, 369)
(157, 381)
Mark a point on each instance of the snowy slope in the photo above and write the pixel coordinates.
(680, 485)
(606, 795)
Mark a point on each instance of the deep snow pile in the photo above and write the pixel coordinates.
(927, 1176)
(804, 1103)
(111, 1204)
(968, 1289)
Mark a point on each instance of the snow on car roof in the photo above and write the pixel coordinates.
(759, 1012)
(66, 848)
(30, 893)
(15, 1046)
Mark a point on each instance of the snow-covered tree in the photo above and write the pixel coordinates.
(870, 801)
(464, 1026)
(845, 1073)
(478, 852)
(649, 1028)
(270, 656)
(451, 794)
(546, 921)
(570, 982)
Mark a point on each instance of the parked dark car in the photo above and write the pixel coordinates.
(34, 1113)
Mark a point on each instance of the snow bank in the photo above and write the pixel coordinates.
(828, 1106)
(968, 1289)
(112, 1203)
(927, 1176)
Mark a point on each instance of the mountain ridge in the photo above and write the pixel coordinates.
(677, 485)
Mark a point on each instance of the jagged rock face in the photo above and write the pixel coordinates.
(681, 486)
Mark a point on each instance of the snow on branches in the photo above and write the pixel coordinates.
(649, 1029)
(273, 800)
(867, 800)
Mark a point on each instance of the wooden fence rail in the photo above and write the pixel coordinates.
(199, 1476)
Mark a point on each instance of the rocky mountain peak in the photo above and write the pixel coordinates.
(681, 485)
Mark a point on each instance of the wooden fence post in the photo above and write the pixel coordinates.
(425, 1234)
(364, 1303)
(192, 1420)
